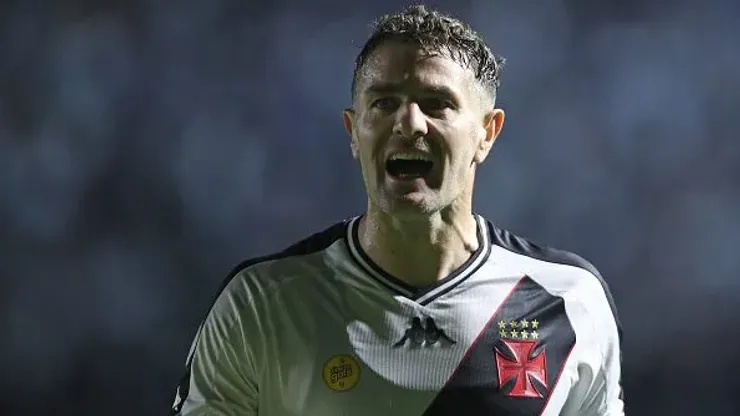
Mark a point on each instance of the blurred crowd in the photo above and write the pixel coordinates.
(146, 147)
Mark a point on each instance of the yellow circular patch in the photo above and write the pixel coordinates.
(341, 373)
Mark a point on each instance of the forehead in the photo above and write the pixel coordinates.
(405, 65)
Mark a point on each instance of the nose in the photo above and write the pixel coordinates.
(410, 121)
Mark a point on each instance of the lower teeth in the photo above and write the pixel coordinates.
(408, 175)
(408, 169)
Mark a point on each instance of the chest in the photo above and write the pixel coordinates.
(499, 351)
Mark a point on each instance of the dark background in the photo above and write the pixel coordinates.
(146, 147)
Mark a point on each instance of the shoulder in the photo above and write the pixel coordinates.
(294, 254)
(312, 244)
(560, 271)
(262, 274)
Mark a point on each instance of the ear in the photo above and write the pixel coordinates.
(348, 118)
(493, 121)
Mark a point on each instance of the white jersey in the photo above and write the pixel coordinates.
(320, 330)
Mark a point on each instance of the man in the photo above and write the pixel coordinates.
(419, 306)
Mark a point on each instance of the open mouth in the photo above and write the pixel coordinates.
(408, 166)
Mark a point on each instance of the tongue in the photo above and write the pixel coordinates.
(408, 169)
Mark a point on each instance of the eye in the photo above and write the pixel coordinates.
(435, 104)
(385, 104)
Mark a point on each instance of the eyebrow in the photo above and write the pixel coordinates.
(391, 87)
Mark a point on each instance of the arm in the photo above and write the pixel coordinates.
(220, 376)
(603, 396)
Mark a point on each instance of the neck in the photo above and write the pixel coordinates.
(420, 251)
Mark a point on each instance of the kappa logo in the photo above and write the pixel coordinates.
(426, 333)
(341, 373)
(519, 360)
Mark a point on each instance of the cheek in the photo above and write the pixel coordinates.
(477, 136)
(372, 136)
(366, 150)
(463, 146)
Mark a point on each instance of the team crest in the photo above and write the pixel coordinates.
(341, 373)
(516, 361)
(520, 360)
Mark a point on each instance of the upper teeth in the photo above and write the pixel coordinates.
(409, 156)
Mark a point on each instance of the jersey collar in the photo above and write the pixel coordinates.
(424, 294)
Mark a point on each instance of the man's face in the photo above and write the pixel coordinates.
(420, 126)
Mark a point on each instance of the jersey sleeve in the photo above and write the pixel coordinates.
(220, 372)
(603, 394)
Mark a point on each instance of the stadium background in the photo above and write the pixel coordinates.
(148, 146)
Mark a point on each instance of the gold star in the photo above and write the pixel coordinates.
(534, 335)
(535, 324)
(514, 334)
(525, 334)
(502, 325)
(513, 324)
(525, 323)
(502, 333)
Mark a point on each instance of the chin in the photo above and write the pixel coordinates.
(411, 205)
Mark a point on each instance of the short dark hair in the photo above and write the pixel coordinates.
(434, 32)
